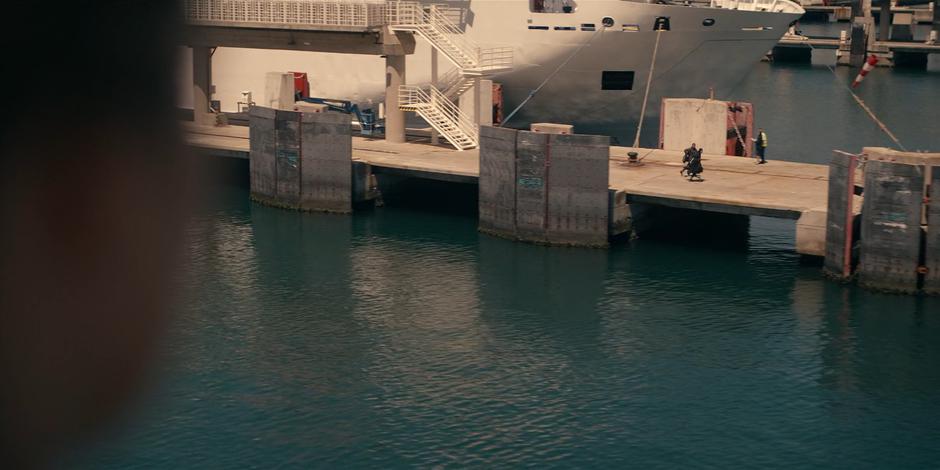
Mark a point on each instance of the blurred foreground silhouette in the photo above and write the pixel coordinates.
(93, 193)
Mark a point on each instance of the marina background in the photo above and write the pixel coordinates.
(403, 337)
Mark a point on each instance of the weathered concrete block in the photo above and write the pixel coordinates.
(301, 160)
(531, 194)
(619, 216)
(837, 223)
(498, 181)
(287, 156)
(263, 144)
(684, 121)
(811, 233)
(890, 233)
(544, 188)
(326, 162)
(932, 253)
(578, 174)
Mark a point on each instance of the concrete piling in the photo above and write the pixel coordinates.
(884, 21)
(891, 227)
(301, 160)
(498, 181)
(544, 188)
(899, 230)
(326, 160)
(932, 245)
(840, 217)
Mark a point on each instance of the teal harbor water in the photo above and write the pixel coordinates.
(401, 337)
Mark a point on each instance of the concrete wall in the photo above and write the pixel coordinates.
(326, 152)
(474, 101)
(932, 258)
(301, 160)
(688, 120)
(836, 222)
(278, 90)
(890, 232)
(261, 159)
(544, 188)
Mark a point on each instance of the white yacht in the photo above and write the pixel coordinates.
(596, 55)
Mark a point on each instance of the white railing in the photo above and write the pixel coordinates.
(436, 24)
(361, 14)
(778, 6)
(496, 58)
(451, 83)
(463, 134)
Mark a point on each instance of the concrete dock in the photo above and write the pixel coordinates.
(732, 185)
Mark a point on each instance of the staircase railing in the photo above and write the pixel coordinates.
(463, 133)
(435, 25)
(452, 82)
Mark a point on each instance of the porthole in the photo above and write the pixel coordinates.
(708, 21)
(608, 22)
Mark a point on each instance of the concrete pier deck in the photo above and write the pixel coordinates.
(732, 185)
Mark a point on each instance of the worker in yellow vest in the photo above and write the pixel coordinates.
(761, 145)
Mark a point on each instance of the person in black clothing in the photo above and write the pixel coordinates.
(693, 163)
(687, 155)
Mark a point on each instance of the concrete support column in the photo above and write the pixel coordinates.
(936, 20)
(394, 79)
(435, 137)
(884, 21)
(857, 9)
(202, 84)
(859, 43)
(476, 101)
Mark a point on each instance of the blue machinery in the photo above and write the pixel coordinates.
(366, 117)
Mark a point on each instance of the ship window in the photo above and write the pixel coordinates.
(587, 27)
(552, 6)
(661, 23)
(565, 28)
(617, 80)
(708, 21)
(543, 28)
(631, 28)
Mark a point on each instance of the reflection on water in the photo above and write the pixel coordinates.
(403, 337)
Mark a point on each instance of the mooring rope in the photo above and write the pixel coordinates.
(646, 94)
(861, 104)
(551, 75)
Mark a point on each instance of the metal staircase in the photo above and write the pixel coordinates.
(432, 23)
(436, 104)
(441, 113)
(454, 84)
